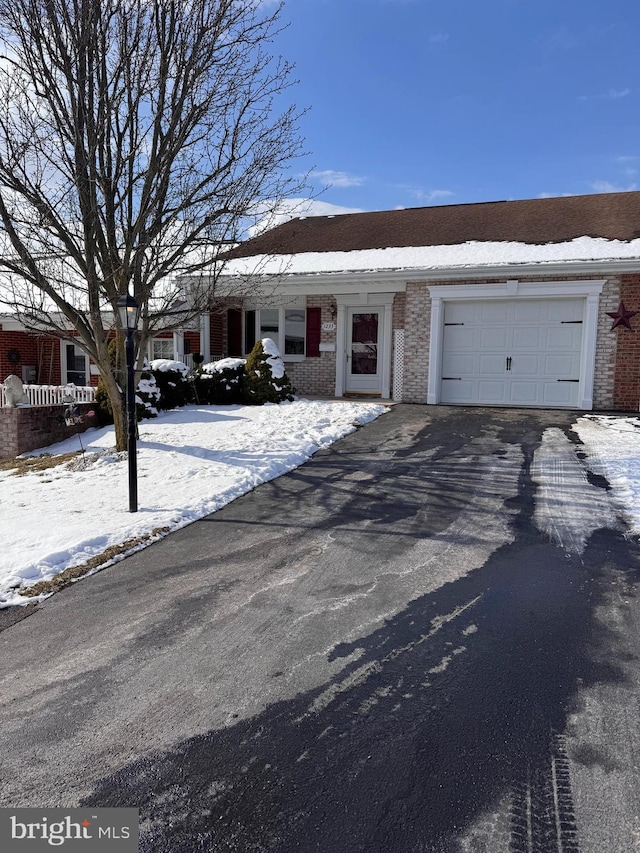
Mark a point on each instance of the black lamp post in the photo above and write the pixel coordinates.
(128, 311)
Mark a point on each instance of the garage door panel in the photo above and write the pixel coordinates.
(493, 337)
(462, 312)
(529, 311)
(562, 337)
(566, 309)
(525, 365)
(513, 351)
(562, 366)
(491, 391)
(492, 312)
(459, 364)
(527, 338)
(523, 392)
(458, 338)
(491, 364)
(454, 391)
(560, 394)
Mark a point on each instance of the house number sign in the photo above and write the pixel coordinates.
(328, 327)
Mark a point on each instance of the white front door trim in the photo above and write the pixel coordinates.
(384, 303)
(515, 289)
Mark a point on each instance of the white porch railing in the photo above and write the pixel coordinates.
(54, 395)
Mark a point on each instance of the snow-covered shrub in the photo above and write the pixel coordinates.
(220, 383)
(172, 379)
(147, 395)
(265, 378)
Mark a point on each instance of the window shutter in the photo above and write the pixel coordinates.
(249, 330)
(313, 332)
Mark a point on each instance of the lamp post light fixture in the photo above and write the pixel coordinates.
(128, 312)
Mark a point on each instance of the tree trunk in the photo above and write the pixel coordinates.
(119, 420)
(114, 381)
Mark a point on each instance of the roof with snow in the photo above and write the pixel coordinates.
(611, 216)
(572, 230)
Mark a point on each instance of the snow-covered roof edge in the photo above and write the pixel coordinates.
(454, 258)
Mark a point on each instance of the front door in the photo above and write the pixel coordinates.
(364, 351)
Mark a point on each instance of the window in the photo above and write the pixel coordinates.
(287, 327)
(294, 331)
(76, 365)
(162, 348)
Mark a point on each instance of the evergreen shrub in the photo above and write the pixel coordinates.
(265, 378)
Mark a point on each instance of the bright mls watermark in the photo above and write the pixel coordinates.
(82, 830)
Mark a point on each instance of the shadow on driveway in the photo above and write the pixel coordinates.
(454, 704)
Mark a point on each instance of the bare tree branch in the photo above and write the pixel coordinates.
(137, 138)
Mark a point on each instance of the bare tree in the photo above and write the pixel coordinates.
(137, 137)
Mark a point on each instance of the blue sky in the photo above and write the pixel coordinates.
(418, 102)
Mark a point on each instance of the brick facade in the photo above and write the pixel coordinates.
(317, 376)
(606, 344)
(627, 359)
(32, 350)
(416, 343)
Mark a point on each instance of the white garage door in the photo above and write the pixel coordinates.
(516, 352)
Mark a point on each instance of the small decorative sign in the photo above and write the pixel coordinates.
(328, 327)
(621, 317)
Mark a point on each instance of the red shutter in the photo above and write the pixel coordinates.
(313, 332)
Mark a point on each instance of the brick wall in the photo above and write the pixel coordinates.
(193, 339)
(627, 363)
(317, 376)
(27, 347)
(416, 343)
(606, 345)
(27, 428)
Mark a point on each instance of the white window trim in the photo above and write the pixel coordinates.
(300, 305)
(515, 289)
(151, 355)
(63, 361)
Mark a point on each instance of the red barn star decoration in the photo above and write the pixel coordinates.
(621, 317)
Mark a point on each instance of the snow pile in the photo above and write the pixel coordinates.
(223, 364)
(567, 507)
(274, 359)
(612, 448)
(165, 365)
(191, 462)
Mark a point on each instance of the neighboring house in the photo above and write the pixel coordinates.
(500, 303)
(38, 358)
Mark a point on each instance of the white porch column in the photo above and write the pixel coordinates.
(205, 336)
(341, 345)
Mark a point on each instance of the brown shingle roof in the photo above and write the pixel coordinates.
(614, 216)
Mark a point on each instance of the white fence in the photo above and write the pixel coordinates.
(54, 395)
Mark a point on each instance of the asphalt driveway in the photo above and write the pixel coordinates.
(424, 639)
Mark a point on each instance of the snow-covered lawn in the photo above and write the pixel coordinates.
(191, 462)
